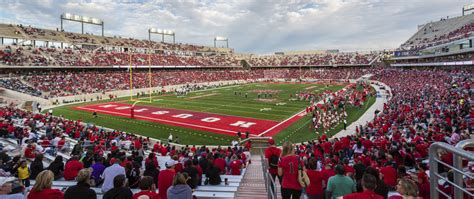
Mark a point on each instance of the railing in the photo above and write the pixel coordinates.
(270, 185)
(458, 155)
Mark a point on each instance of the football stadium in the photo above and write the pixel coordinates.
(236, 99)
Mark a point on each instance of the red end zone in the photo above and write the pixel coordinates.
(216, 123)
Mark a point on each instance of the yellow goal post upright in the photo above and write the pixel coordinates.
(130, 69)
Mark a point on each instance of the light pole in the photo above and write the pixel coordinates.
(162, 33)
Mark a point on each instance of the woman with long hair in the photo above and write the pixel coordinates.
(407, 189)
(316, 181)
(36, 166)
(288, 168)
(82, 189)
(180, 190)
(42, 188)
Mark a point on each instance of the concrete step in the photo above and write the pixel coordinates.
(252, 185)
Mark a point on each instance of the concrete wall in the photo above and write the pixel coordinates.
(19, 98)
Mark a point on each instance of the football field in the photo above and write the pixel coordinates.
(211, 116)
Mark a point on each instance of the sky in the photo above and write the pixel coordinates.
(252, 26)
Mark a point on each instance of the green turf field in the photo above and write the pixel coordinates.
(221, 100)
(231, 100)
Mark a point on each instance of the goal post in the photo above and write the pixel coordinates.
(149, 77)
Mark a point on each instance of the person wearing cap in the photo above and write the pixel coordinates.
(270, 151)
(82, 188)
(165, 178)
(109, 174)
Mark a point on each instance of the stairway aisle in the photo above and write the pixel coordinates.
(252, 185)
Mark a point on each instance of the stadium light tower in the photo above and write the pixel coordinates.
(162, 33)
(82, 20)
(216, 39)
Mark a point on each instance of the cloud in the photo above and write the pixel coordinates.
(255, 26)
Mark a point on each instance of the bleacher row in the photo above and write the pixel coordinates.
(206, 191)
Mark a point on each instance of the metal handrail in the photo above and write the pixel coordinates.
(272, 192)
(269, 182)
(458, 154)
(465, 143)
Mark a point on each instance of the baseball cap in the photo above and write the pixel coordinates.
(170, 163)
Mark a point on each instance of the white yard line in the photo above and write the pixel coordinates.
(271, 128)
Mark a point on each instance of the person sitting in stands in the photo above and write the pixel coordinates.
(42, 188)
(82, 189)
(180, 190)
(120, 191)
(213, 174)
(73, 166)
(147, 188)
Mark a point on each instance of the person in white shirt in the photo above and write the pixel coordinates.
(109, 174)
(235, 142)
(55, 141)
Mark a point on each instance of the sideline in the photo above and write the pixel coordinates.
(382, 97)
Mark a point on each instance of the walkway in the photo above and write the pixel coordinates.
(252, 184)
(369, 115)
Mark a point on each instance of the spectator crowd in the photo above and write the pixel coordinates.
(388, 155)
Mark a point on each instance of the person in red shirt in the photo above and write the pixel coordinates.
(42, 188)
(61, 142)
(235, 166)
(328, 172)
(137, 144)
(220, 163)
(72, 167)
(272, 153)
(114, 147)
(156, 147)
(389, 174)
(248, 145)
(288, 168)
(164, 151)
(45, 142)
(30, 152)
(147, 188)
(315, 187)
(165, 178)
(152, 159)
(369, 182)
(350, 171)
